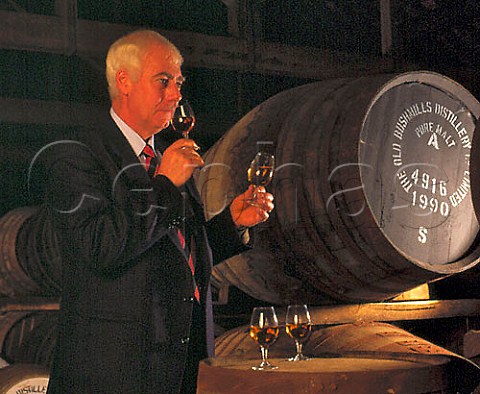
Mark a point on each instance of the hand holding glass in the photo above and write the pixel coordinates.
(298, 327)
(183, 119)
(264, 330)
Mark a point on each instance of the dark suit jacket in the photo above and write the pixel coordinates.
(127, 286)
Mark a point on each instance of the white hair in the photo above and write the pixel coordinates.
(128, 53)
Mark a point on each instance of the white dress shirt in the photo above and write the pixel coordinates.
(136, 142)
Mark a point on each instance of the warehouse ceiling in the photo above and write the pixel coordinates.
(431, 31)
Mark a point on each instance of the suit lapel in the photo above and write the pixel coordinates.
(126, 169)
(125, 159)
(133, 172)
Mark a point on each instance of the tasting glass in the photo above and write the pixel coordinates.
(298, 327)
(260, 171)
(264, 330)
(183, 119)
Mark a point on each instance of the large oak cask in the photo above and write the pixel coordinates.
(372, 188)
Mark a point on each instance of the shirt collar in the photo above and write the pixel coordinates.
(136, 142)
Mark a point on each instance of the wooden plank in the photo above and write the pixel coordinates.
(273, 58)
(395, 311)
(49, 34)
(26, 304)
(22, 111)
(421, 292)
(199, 50)
(218, 52)
(384, 311)
(31, 32)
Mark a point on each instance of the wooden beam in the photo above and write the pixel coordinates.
(38, 112)
(395, 311)
(47, 34)
(233, 21)
(68, 11)
(26, 304)
(386, 26)
(31, 32)
(387, 311)
(383, 312)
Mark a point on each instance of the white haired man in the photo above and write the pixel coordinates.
(135, 316)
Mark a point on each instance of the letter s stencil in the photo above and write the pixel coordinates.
(422, 235)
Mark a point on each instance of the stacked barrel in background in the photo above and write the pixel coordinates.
(31, 263)
(29, 266)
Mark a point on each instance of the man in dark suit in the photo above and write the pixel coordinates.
(135, 317)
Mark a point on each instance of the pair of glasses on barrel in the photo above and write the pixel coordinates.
(264, 330)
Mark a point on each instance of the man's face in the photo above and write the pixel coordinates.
(152, 100)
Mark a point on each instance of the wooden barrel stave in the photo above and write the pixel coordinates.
(14, 280)
(8, 320)
(343, 172)
(39, 347)
(28, 337)
(295, 211)
(211, 189)
(43, 261)
(30, 262)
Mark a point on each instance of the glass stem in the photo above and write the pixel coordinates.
(299, 347)
(264, 351)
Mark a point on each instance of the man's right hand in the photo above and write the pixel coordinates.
(179, 161)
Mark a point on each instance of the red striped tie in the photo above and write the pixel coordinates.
(150, 160)
(190, 262)
(150, 165)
